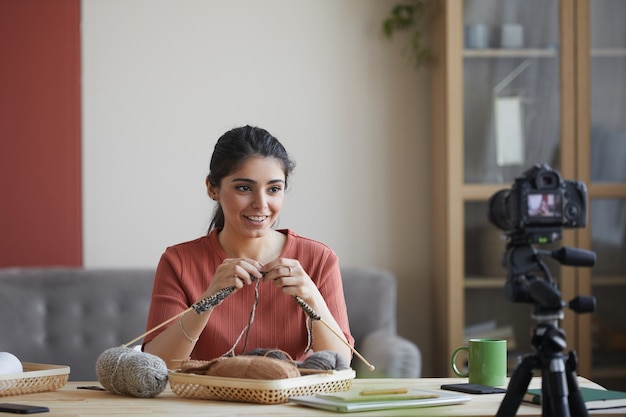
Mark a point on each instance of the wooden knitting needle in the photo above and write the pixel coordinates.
(200, 307)
(315, 316)
(157, 327)
(369, 365)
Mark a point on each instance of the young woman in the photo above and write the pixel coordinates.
(268, 267)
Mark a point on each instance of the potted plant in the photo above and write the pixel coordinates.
(410, 16)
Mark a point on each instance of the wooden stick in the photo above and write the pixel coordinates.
(200, 306)
(369, 365)
(157, 327)
(307, 371)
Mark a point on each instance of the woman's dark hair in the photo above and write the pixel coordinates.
(233, 148)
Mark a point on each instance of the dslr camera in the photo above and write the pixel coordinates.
(538, 205)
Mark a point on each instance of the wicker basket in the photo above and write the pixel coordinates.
(35, 378)
(275, 391)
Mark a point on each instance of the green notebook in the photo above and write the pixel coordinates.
(354, 400)
(595, 399)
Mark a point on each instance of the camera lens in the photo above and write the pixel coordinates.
(498, 210)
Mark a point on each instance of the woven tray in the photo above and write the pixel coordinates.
(35, 378)
(260, 391)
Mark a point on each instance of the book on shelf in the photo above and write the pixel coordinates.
(595, 399)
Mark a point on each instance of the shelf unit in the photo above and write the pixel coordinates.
(566, 95)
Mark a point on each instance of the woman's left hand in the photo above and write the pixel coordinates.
(289, 275)
(293, 280)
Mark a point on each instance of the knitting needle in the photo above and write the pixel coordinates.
(369, 365)
(315, 316)
(157, 327)
(200, 307)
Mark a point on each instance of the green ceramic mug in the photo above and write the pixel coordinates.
(486, 362)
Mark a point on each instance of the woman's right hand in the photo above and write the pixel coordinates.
(234, 272)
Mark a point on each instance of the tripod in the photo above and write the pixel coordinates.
(560, 394)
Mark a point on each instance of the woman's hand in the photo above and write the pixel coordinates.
(289, 275)
(234, 272)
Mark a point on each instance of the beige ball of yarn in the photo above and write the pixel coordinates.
(125, 371)
(252, 367)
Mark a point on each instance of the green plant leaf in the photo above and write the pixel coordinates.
(409, 16)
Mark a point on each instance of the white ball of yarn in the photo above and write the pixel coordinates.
(125, 371)
(10, 364)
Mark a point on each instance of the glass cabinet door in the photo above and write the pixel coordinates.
(511, 121)
(607, 68)
(511, 88)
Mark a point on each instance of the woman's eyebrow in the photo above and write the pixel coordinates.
(243, 180)
(251, 181)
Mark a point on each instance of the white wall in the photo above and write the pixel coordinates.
(163, 79)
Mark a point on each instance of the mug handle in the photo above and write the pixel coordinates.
(453, 361)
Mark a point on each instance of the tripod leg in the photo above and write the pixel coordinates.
(554, 388)
(517, 387)
(576, 404)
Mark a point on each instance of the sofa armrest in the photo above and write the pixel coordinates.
(391, 354)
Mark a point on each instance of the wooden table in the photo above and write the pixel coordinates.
(71, 401)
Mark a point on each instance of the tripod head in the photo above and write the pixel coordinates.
(529, 279)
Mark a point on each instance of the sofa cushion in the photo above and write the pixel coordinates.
(66, 316)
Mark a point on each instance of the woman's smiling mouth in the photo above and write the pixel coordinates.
(257, 219)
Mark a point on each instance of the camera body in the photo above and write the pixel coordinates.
(540, 201)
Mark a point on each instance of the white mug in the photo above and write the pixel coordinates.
(512, 35)
(477, 36)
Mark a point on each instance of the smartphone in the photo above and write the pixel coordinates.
(22, 408)
(473, 388)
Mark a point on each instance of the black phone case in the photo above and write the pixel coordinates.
(473, 388)
(22, 408)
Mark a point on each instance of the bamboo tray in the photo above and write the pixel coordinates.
(35, 378)
(260, 391)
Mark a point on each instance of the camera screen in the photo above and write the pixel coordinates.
(545, 205)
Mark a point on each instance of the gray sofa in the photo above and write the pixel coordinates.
(69, 316)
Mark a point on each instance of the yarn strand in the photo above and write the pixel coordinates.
(246, 330)
(309, 331)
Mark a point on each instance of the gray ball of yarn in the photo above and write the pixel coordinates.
(325, 360)
(270, 353)
(125, 371)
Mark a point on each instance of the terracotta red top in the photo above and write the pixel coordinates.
(185, 271)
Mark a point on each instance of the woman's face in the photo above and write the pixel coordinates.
(252, 196)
